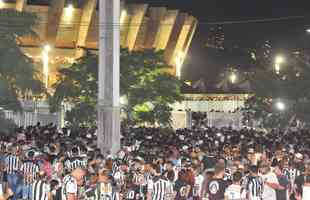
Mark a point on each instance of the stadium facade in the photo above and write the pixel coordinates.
(69, 26)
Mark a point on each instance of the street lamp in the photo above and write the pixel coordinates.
(277, 68)
(45, 58)
(69, 10)
(123, 100)
(280, 106)
(1, 3)
(47, 47)
(123, 16)
(179, 62)
(277, 63)
(279, 59)
(233, 78)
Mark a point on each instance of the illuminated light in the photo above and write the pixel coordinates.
(308, 30)
(69, 10)
(123, 100)
(280, 106)
(279, 60)
(277, 68)
(47, 47)
(189, 83)
(45, 58)
(233, 78)
(1, 4)
(123, 16)
(179, 62)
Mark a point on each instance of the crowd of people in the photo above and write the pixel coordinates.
(204, 163)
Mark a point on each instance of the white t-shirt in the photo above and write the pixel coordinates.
(269, 193)
(233, 192)
(198, 185)
(69, 186)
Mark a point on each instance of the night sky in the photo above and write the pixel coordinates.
(207, 63)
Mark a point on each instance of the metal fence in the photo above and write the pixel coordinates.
(31, 118)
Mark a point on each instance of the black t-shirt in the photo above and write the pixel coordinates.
(300, 181)
(283, 181)
(134, 193)
(180, 188)
(216, 189)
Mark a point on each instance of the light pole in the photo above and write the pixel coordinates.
(45, 58)
(108, 134)
(179, 62)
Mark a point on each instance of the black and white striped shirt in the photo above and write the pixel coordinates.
(12, 164)
(69, 187)
(115, 167)
(76, 162)
(291, 173)
(254, 188)
(40, 190)
(159, 188)
(29, 170)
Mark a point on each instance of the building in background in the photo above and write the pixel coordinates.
(68, 26)
(216, 37)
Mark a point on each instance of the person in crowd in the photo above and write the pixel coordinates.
(155, 164)
(158, 187)
(71, 184)
(29, 170)
(217, 185)
(12, 165)
(253, 184)
(41, 188)
(234, 191)
(197, 187)
(283, 181)
(106, 188)
(181, 187)
(302, 184)
(271, 183)
(5, 191)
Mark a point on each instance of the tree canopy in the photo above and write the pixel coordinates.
(147, 89)
(18, 75)
(289, 87)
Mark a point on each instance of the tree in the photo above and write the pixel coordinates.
(18, 76)
(7, 126)
(145, 84)
(288, 87)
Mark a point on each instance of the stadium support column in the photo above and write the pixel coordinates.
(109, 75)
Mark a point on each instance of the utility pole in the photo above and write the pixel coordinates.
(109, 76)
